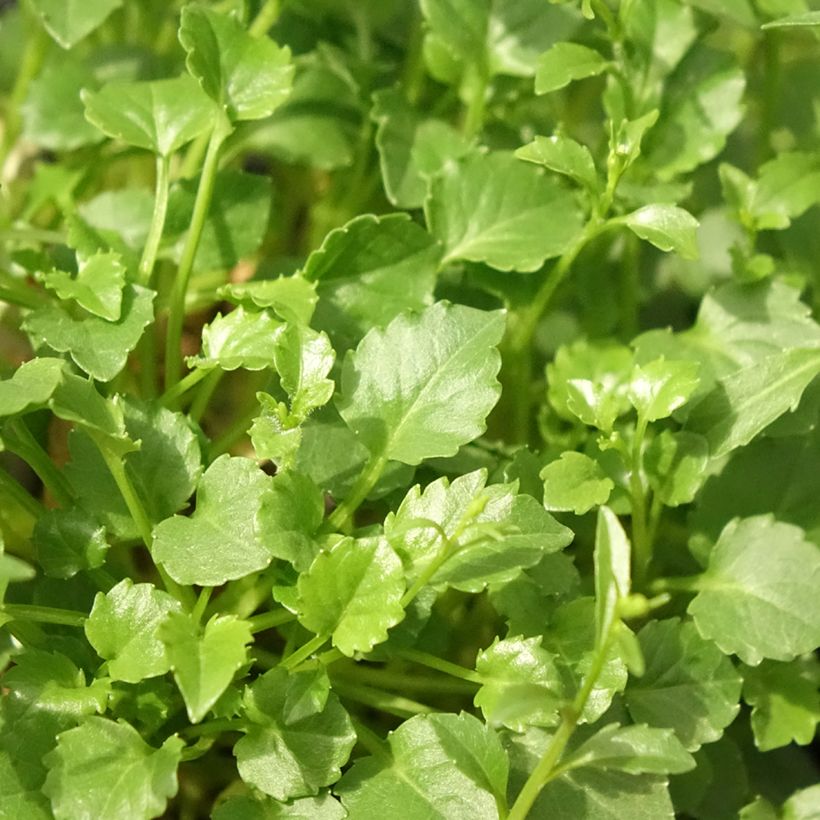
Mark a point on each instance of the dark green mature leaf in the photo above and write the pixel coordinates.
(159, 116)
(250, 77)
(97, 346)
(123, 625)
(411, 149)
(69, 21)
(785, 701)
(744, 403)
(204, 664)
(246, 339)
(296, 759)
(258, 807)
(576, 483)
(68, 542)
(440, 767)
(520, 684)
(492, 208)
(758, 597)
(105, 769)
(636, 749)
(97, 286)
(689, 685)
(424, 385)
(31, 385)
(563, 155)
(352, 592)
(667, 227)
(220, 541)
(369, 271)
(566, 62)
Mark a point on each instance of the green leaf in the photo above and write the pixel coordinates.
(219, 541)
(246, 339)
(424, 385)
(440, 767)
(676, 466)
(287, 760)
(785, 701)
(291, 297)
(520, 684)
(575, 483)
(412, 149)
(808, 18)
(275, 433)
(122, 627)
(369, 271)
(258, 807)
(251, 77)
(159, 116)
(757, 599)
(802, 805)
(290, 514)
(660, 387)
(612, 572)
(97, 286)
(688, 685)
(69, 21)
(566, 62)
(744, 403)
(303, 360)
(492, 208)
(204, 664)
(667, 227)
(563, 155)
(97, 346)
(786, 188)
(68, 542)
(105, 769)
(486, 534)
(353, 592)
(31, 385)
(636, 749)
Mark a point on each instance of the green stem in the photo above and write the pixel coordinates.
(339, 518)
(176, 316)
(214, 727)
(169, 397)
(201, 603)
(203, 395)
(44, 614)
(303, 652)
(377, 699)
(19, 440)
(387, 679)
(233, 433)
(685, 583)
(477, 105)
(268, 620)
(17, 293)
(13, 490)
(642, 548)
(413, 73)
(31, 235)
(439, 664)
(149, 252)
(370, 740)
(267, 16)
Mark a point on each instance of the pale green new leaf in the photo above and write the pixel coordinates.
(352, 592)
(105, 769)
(123, 625)
(242, 338)
(575, 483)
(159, 116)
(667, 227)
(492, 208)
(303, 359)
(520, 684)
(370, 270)
(425, 384)
(660, 387)
(688, 685)
(204, 664)
(612, 572)
(566, 62)
(219, 541)
(638, 749)
(758, 598)
(291, 297)
(97, 287)
(743, 404)
(251, 77)
(785, 701)
(31, 385)
(439, 767)
(287, 760)
(69, 21)
(563, 155)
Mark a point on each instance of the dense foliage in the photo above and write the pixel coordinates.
(409, 410)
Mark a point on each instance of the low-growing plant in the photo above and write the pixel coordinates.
(409, 410)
